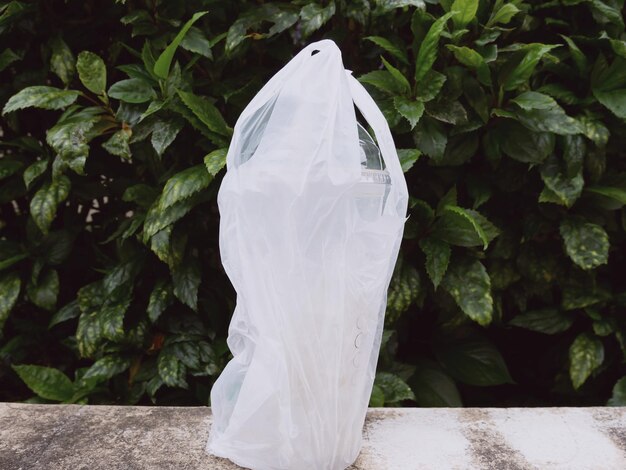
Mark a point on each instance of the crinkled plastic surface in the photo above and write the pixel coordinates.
(309, 245)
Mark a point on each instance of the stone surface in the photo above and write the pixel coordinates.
(130, 437)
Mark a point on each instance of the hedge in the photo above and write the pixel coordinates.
(509, 118)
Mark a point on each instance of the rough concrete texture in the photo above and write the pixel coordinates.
(130, 437)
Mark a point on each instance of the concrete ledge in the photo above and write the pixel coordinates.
(130, 437)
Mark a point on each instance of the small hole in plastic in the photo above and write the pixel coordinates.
(315, 52)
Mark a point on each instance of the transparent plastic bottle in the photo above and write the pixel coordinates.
(373, 189)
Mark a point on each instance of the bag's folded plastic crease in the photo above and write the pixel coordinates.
(309, 248)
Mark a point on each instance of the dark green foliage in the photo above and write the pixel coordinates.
(509, 118)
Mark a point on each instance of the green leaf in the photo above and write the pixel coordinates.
(534, 100)
(586, 244)
(70, 137)
(437, 258)
(619, 47)
(464, 227)
(215, 161)
(472, 59)
(62, 60)
(188, 352)
(281, 16)
(449, 111)
(142, 194)
(411, 110)
(111, 315)
(92, 72)
(605, 77)
(607, 85)
(404, 289)
(157, 219)
(586, 354)
(502, 14)
(577, 56)
(153, 107)
(67, 312)
(408, 157)
(284, 17)
(43, 205)
(10, 284)
(195, 41)
(121, 274)
(186, 280)
(396, 51)
(148, 59)
(524, 145)
(468, 283)
(565, 189)
(162, 64)
(594, 130)
(47, 382)
(161, 297)
(547, 195)
(141, 21)
(395, 390)
(9, 167)
(574, 150)
(431, 138)
(430, 86)
(34, 171)
(618, 397)
(474, 361)
(314, 16)
(132, 90)
(117, 144)
(433, 387)
(522, 71)
(549, 321)
(44, 293)
(164, 133)
(8, 262)
(450, 198)
(604, 13)
(603, 327)
(171, 370)
(104, 369)
(466, 10)
(613, 100)
(428, 48)
(459, 150)
(179, 107)
(57, 246)
(541, 113)
(615, 193)
(184, 184)
(206, 111)
(385, 6)
(7, 57)
(580, 296)
(89, 334)
(161, 245)
(39, 96)
(384, 81)
(403, 83)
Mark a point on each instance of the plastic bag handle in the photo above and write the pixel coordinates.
(272, 87)
(377, 121)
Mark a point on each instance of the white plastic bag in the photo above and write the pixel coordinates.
(310, 249)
